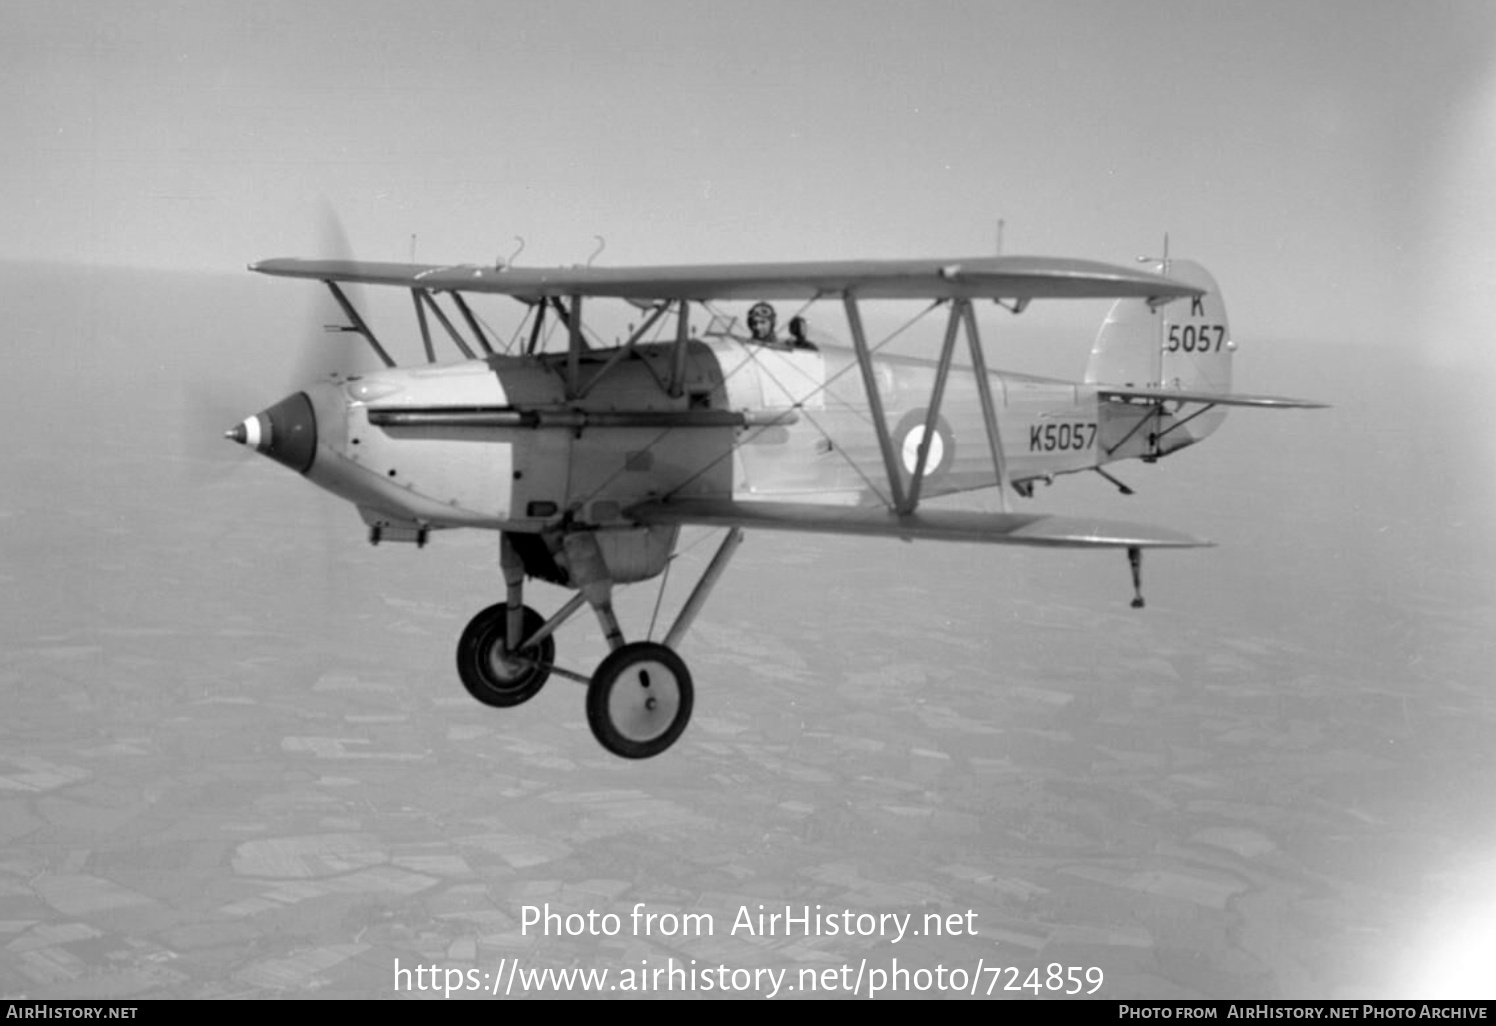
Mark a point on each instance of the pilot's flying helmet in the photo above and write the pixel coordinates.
(761, 320)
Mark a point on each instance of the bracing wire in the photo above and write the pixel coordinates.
(659, 598)
(800, 406)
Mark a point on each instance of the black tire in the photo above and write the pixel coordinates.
(489, 677)
(639, 700)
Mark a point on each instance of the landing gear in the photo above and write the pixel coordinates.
(640, 697)
(639, 700)
(493, 670)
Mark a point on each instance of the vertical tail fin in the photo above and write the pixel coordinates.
(1185, 344)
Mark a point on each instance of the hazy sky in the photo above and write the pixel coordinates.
(1329, 161)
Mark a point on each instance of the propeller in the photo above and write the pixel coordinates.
(304, 539)
(323, 352)
(328, 351)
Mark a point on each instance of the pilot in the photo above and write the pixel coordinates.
(762, 321)
(797, 334)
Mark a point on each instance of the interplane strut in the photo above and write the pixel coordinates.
(874, 400)
(961, 316)
(989, 407)
(932, 419)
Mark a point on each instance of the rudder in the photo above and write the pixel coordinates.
(1185, 344)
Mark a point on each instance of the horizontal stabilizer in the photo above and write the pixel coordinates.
(1015, 278)
(1176, 395)
(938, 525)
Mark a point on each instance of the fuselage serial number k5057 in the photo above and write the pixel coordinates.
(1064, 435)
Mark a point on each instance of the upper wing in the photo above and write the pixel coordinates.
(1213, 398)
(366, 272)
(1017, 278)
(945, 525)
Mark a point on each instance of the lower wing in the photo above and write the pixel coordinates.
(939, 525)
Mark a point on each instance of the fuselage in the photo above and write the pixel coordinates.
(499, 443)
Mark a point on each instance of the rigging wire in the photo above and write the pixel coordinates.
(800, 405)
(660, 437)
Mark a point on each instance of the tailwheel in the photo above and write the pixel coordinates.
(492, 673)
(639, 700)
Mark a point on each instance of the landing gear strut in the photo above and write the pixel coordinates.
(639, 698)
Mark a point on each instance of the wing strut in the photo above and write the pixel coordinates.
(415, 297)
(356, 323)
(874, 400)
(937, 393)
(573, 347)
(625, 349)
(678, 354)
(704, 587)
(961, 315)
(989, 408)
(472, 322)
(457, 340)
(535, 329)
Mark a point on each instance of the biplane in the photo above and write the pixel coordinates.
(589, 459)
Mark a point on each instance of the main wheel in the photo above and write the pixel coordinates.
(494, 676)
(639, 700)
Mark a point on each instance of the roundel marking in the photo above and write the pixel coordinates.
(912, 440)
(911, 432)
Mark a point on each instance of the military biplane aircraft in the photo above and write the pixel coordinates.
(588, 460)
